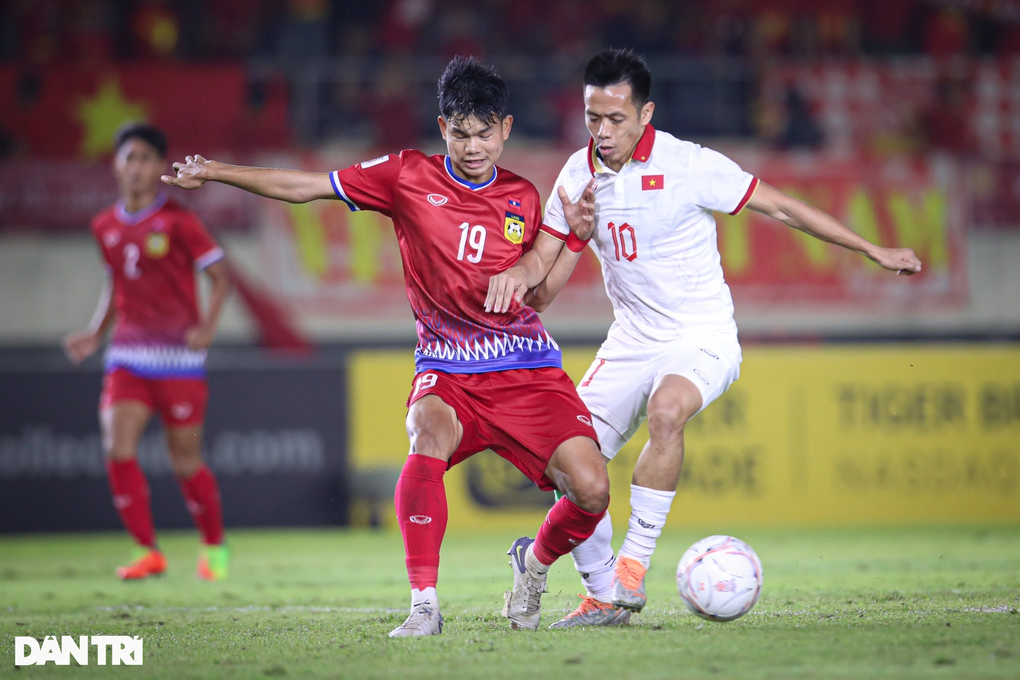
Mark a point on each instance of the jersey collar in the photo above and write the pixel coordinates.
(148, 211)
(642, 152)
(467, 183)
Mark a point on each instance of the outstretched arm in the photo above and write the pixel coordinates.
(80, 345)
(797, 214)
(293, 186)
(580, 217)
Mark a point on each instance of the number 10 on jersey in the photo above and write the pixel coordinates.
(625, 241)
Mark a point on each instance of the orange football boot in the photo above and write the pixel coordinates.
(148, 562)
(629, 584)
(594, 613)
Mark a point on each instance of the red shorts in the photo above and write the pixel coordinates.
(180, 402)
(522, 415)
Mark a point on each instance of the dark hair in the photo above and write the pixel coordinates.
(470, 88)
(616, 66)
(143, 131)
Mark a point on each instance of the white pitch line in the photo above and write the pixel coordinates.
(1004, 609)
(254, 608)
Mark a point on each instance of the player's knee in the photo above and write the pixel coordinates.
(433, 429)
(432, 439)
(185, 466)
(119, 451)
(666, 419)
(426, 444)
(592, 493)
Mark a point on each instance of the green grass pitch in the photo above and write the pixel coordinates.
(845, 603)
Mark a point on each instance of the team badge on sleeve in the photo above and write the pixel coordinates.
(513, 228)
(157, 244)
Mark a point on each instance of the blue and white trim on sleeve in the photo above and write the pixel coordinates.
(210, 258)
(334, 178)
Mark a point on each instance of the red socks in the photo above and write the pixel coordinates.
(131, 498)
(420, 502)
(566, 527)
(202, 496)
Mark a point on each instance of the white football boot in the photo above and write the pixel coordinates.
(523, 604)
(425, 619)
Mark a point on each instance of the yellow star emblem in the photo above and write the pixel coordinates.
(102, 114)
(651, 182)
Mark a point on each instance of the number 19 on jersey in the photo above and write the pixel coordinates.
(473, 237)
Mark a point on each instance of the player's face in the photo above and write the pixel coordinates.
(475, 146)
(614, 121)
(138, 166)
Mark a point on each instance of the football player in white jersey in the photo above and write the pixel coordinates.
(643, 200)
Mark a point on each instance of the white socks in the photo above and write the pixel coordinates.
(422, 596)
(594, 560)
(532, 564)
(648, 511)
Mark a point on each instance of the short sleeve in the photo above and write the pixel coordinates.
(369, 185)
(198, 242)
(720, 184)
(554, 223)
(532, 215)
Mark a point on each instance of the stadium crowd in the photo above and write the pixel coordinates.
(43, 31)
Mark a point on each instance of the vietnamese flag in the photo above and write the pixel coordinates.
(651, 182)
(69, 110)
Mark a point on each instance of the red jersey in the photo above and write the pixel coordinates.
(152, 256)
(454, 235)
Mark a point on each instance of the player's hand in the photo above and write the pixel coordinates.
(580, 216)
(505, 288)
(199, 337)
(900, 260)
(191, 174)
(81, 345)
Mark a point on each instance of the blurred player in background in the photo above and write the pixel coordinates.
(155, 361)
(673, 348)
(488, 375)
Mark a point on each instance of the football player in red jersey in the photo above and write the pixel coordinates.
(155, 361)
(472, 243)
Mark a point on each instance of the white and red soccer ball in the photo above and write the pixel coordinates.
(719, 578)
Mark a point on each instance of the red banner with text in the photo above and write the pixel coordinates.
(328, 261)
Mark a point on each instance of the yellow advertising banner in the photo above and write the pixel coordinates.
(809, 435)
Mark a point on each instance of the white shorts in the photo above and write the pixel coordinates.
(625, 373)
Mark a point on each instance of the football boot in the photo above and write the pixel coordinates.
(629, 584)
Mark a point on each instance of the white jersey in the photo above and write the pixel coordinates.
(655, 234)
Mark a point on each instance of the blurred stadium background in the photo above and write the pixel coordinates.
(865, 398)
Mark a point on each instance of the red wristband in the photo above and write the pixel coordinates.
(575, 244)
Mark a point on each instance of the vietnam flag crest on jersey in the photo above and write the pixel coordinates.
(651, 182)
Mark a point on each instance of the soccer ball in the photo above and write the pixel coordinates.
(719, 578)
